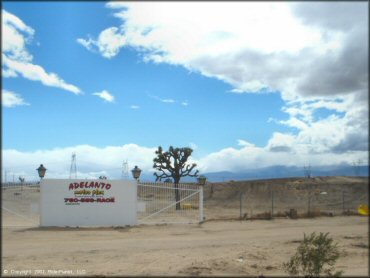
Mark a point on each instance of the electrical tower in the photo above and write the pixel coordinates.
(125, 174)
(307, 171)
(73, 170)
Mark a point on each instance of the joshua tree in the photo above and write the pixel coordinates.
(173, 164)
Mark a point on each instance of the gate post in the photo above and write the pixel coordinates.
(201, 214)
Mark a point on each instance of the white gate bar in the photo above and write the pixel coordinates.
(165, 187)
(171, 205)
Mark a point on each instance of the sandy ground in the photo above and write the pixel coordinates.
(222, 247)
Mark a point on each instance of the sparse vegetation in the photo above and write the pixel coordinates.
(316, 255)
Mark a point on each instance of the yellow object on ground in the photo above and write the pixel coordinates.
(363, 209)
(187, 206)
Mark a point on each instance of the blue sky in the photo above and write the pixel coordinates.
(240, 97)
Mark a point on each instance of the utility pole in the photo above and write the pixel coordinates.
(73, 169)
(125, 174)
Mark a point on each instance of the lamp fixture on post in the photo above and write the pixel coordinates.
(202, 180)
(41, 170)
(21, 179)
(136, 173)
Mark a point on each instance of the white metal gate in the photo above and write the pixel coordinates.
(156, 203)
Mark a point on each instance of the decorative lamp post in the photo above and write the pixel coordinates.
(21, 179)
(202, 180)
(41, 170)
(136, 173)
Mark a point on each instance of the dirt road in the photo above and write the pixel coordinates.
(212, 248)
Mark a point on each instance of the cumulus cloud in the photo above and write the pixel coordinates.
(16, 60)
(280, 142)
(260, 45)
(280, 150)
(105, 95)
(11, 99)
(315, 54)
(108, 43)
(244, 143)
(91, 161)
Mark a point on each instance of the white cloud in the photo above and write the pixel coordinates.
(91, 161)
(16, 34)
(193, 146)
(249, 45)
(9, 73)
(244, 143)
(16, 60)
(134, 107)
(279, 151)
(37, 73)
(280, 142)
(167, 100)
(11, 99)
(303, 50)
(108, 43)
(105, 95)
(164, 28)
(282, 149)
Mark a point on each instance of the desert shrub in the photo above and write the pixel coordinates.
(281, 214)
(316, 255)
(263, 215)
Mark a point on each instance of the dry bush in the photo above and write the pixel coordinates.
(316, 255)
(263, 215)
(281, 214)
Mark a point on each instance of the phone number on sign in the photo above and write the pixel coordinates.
(89, 200)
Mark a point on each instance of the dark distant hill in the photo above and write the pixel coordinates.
(287, 172)
(278, 171)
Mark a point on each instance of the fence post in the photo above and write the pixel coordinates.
(201, 214)
(272, 202)
(241, 205)
(343, 202)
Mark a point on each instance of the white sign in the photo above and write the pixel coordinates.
(75, 202)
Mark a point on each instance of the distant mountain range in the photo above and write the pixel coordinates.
(278, 171)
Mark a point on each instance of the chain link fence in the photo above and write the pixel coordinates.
(285, 198)
(263, 199)
(20, 205)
